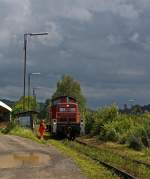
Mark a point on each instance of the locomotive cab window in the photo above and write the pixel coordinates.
(62, 109)
(72, 109)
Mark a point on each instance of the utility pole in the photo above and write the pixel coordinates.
(25, 61)
(25, 65)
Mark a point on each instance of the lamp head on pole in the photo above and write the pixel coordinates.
(35, 73)
(34, 34)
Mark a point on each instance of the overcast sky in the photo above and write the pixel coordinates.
(104, 44)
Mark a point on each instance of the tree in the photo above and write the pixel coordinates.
(67, 86)
(44, 111)
(136, 109)
(18, 107)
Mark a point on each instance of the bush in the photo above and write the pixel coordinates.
(108, 113)
(108, 125)
(117, 130)
(97, 126)
(89, 121)
(135, 143)
(108, 134)
(103, 116)
(112, 135)
(142, 133)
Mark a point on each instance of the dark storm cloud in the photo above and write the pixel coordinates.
(103, 44)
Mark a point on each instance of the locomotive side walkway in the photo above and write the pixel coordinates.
(26, 159)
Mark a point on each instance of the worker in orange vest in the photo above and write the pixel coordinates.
(42, 129)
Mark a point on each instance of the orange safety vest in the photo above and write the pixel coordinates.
(42, 128)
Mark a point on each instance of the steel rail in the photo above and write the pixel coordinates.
(119, 172)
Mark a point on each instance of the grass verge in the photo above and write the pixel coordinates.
(138, 170)
(120, 149)
(23, 132)
(92, 169)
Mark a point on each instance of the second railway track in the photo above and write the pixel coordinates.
(119, 172)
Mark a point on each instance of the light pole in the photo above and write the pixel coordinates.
(29, 84)
(34, 94)
(34, 91)
(25, 61)
(132, 102)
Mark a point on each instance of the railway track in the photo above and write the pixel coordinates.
(119, 172)
(124, 157)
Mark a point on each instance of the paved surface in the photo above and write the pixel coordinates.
(24, 159)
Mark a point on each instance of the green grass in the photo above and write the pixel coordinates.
(121, 149)
(92, 169)
(24, 132)
(104, 155)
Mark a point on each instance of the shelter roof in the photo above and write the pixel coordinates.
(5, 106)
(26, 113)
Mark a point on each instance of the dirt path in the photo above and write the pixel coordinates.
(25, 159)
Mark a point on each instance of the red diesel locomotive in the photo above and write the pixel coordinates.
(65, 118)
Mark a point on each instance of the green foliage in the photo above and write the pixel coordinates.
(18, 107)
(23, 132)
(44, 110)
(109, 125)
(120, 127)
(109, 134)
(135, 143)
(108, 113)
(103, 116)
(67, 86)
(140, 136)
(97, 125)
(89, 121)
(127, 129)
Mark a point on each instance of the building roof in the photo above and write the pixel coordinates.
(5, 106)
(26, 113)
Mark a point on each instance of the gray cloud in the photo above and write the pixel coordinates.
(103, 44)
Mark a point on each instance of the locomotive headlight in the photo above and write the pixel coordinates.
(54, 122)
(82, 127)
(67, 105)
(54, 127)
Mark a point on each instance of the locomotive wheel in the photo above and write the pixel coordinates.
(70, 134)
